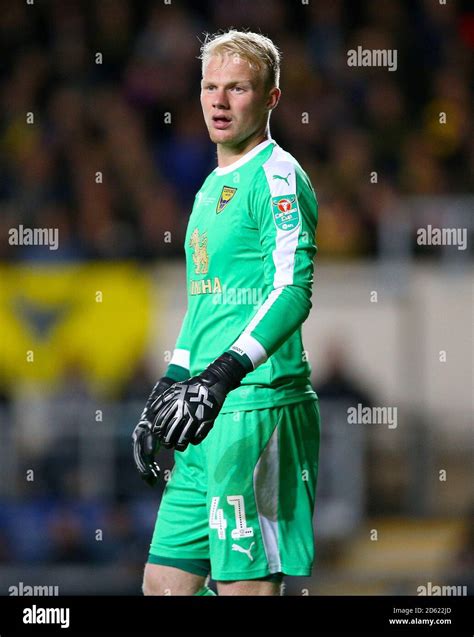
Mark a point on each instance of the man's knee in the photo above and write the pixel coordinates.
(152, 581)
(167, 580)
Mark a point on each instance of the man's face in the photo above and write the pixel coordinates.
(234, 100)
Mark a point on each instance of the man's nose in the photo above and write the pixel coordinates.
(220, 99)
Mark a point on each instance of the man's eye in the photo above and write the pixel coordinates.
(238, 89)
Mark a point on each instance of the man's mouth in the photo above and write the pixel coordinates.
(221, 121)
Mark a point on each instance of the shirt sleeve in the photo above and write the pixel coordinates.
(178, 368)
(285, 211)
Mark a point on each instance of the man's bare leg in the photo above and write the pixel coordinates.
(168, 580)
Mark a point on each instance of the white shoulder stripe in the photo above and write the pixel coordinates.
(281, 177)
(280, 171)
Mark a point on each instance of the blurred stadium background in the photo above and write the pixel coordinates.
(86, 329)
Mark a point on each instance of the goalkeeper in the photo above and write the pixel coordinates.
(236, 403)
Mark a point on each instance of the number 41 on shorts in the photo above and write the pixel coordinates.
(218, 521)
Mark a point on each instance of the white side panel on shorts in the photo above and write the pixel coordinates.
(266, 489)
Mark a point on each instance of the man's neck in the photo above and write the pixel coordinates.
(227, 156)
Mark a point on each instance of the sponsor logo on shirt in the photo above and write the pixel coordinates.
(205, 286)
(285, 212)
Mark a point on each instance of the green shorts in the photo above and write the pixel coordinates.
(243, 499)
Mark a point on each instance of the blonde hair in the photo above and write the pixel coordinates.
(256, 49)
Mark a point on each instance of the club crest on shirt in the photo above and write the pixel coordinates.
(226, 195)
(285, 212)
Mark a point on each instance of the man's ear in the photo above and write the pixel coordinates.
(273, 98)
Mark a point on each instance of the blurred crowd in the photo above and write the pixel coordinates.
(101, 134)
(69, 488)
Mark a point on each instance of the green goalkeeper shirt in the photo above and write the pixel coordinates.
(250, 247)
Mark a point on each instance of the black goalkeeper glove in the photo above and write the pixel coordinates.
(186, 412)
(145, 443)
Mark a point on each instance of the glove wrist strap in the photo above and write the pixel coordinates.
(225, 370)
